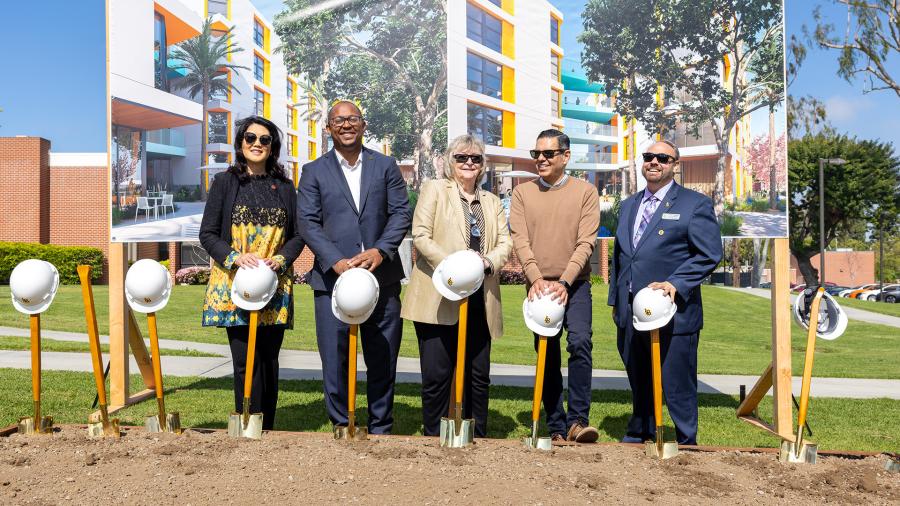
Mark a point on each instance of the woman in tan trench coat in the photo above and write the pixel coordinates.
(454, 214)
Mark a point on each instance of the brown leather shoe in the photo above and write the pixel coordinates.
(558, 438)
(582, 433)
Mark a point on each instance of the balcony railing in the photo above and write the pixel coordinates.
(577, 126)
(683, 139)
(166, 136)
(581, 98)
(600, 158)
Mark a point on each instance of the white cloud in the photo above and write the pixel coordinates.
(841, 108)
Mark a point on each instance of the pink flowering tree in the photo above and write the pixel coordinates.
(763, 158)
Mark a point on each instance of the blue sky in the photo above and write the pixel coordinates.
(54, 78)
(849, 110)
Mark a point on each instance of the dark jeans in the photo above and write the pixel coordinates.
(380, 338)
(264, 393)
(678, 354)
(437, 356)
(577, 324)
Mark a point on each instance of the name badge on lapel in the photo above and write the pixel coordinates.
(671, 216)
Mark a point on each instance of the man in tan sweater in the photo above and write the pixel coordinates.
(554, 221)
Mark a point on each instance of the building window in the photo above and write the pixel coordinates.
(554, 67)
(259, 102)
(160, 67)
(217, 7)
(484, 76)
(259, 67)
(498, 3)
(311, 128)
(218, 157)
(258, 34)
(486, 123)
(290, 145)
(311, 150)
(290, 91)
(483, 28)
(218, 128)
(554, 103)
(289, 117)
(554, 30)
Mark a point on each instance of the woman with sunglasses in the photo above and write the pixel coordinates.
(453, 214)
(249, 221)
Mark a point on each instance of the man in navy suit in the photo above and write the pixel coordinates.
(667, 238)
(354, 212)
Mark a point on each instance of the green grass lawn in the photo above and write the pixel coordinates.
(23, 343)
(839, 424)
(736, 338)
(888, 308)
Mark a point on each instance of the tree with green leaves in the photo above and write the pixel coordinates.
(205, 59)
(678, 48)
(768, 67)
(864, 190)
(869, 43)
(806, 114)
(389, 57)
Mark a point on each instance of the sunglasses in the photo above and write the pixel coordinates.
(462, 158)
(660, 157)
(548, 153)
(250, 138)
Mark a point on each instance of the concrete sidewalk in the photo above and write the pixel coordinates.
(852, 312)
(297, 364)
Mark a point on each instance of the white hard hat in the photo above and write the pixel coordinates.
(459, 275)
(355, 296)
(652, 309)
(832, 318)
(543, 315)
(33, 284)
(253, 287)
(148, 286)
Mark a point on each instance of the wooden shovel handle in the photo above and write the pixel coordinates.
(154, 350)
(539, 379)
(351, 369)
(656, 364)
(810, 354)
(461, 349)
(251, 353)
(36, 359)
(90, 317)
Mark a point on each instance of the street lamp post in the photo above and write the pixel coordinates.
(822, 162)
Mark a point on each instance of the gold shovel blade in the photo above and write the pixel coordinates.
(252, 429)
(807, 455)
(173, 423)
(44, 426)
(669, 450)
(344, 433)
(97, 429)
(453, 438)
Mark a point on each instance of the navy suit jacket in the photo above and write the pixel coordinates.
(682, 250)
(334, 229)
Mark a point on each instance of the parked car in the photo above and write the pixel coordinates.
(860, 289)
(891, 295)
(872, 295)
(835, 290)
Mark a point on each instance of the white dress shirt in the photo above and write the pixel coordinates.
(353, 175)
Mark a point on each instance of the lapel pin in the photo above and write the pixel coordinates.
(660, 232)
(667, 204)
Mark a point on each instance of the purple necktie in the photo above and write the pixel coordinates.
(649, 209)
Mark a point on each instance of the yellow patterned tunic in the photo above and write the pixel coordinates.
(258, 226)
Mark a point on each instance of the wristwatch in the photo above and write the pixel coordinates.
(565, 284)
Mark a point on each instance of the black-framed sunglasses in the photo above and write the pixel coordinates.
(548, 153)
(250, 138)
(660, 157)
(340, 120)
(463, 157)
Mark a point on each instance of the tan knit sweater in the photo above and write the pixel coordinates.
(554, 229)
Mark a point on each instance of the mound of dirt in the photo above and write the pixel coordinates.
(208, 467)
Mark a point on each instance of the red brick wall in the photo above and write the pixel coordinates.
(78, 208)
(844, 268)
(24, 177)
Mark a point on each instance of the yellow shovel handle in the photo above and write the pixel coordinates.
(539, 379)
(351, 370)
(90, 316)
(810, 354)
(154, 350)
(461, 349)
(251, 353)
(656, 363)
(36, 359)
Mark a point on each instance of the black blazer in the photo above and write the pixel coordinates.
(215, 229)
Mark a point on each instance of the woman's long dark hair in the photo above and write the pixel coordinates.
(273, 168)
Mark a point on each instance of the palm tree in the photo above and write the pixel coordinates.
(314, 106)
(205, 58)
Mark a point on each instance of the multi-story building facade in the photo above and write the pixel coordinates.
(161, 125)
(512, 88)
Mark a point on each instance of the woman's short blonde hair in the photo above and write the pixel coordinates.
(463, 142)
